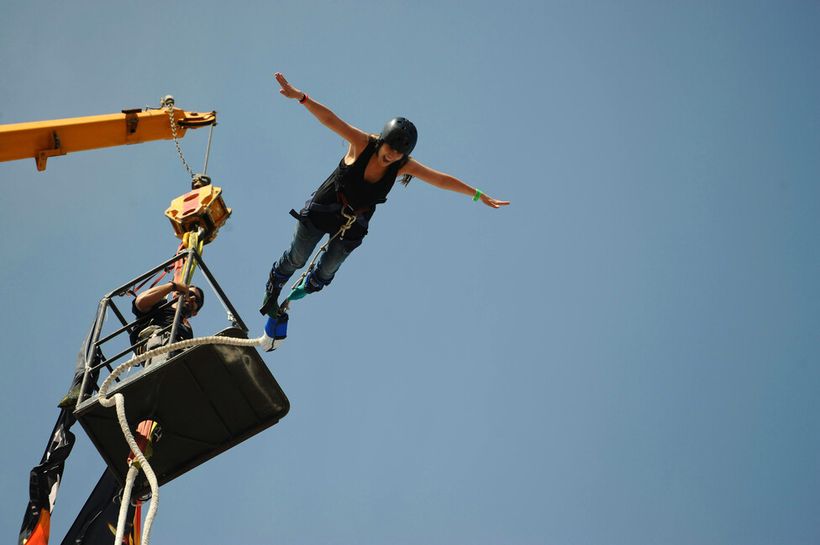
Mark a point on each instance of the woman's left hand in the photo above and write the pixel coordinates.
(493, 203)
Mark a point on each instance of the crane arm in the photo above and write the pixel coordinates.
(43, 139)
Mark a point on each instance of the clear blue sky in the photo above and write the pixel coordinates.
(626, 355)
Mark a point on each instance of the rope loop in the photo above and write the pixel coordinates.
(141, 463)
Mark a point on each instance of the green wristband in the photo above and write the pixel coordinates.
(477, 195)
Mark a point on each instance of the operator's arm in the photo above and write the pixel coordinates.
(152, 296)
(356, 137)
(445, 181)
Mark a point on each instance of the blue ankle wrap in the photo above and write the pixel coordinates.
(277, 328)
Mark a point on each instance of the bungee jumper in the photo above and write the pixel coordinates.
(343, 205)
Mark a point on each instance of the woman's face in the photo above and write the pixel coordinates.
(388, 155)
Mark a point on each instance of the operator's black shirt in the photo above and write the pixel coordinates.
(161, 317)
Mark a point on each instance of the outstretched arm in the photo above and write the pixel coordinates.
(356, 137)
(445, 181)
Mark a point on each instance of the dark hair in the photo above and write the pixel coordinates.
(407, 177)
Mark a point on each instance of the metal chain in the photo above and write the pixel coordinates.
(168, 102)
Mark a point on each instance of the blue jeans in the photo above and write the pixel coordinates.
(304, 242)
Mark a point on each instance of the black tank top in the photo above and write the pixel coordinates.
(349, 179)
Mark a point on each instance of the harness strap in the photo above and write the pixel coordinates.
(355, 211)
(341, 207)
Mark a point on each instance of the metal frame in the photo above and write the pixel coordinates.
(94, 357)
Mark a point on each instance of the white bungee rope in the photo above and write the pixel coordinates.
(118, 400)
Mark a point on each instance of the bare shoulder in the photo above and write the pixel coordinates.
(356, 137)
(356, 146)
(359, 141)
(418, 170)
(410, 167)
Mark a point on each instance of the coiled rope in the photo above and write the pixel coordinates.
(118, 400)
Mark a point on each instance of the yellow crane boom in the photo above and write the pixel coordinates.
(43, 139)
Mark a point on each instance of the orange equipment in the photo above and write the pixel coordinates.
(203, 208)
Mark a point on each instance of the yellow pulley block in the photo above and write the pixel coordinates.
(202, 207)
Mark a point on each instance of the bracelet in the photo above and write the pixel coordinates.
(303, 99)
(477, 195)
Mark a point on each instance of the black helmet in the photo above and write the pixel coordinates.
(401, 134)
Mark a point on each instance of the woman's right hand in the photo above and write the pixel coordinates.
(287, 89)
(357, 138)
